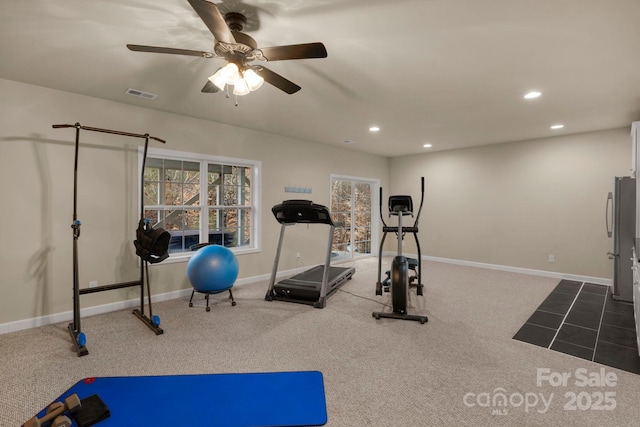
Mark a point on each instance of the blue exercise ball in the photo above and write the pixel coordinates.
(212, 268)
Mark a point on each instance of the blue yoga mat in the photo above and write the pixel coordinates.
(221, 400)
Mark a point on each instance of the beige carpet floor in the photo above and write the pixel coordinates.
(454, 370)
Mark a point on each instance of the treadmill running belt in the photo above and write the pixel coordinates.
(307, 285)
(313, 277)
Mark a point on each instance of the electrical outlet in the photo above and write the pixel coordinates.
(93, 283)
(552, 258)
(297, 255)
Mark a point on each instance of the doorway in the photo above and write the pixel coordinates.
(352, 208)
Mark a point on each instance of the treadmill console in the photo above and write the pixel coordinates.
(301, 212)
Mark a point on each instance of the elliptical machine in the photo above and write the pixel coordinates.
(398, 279)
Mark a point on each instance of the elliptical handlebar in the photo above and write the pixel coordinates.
(381, 216)
(415, 223)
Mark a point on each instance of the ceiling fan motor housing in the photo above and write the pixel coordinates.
(236, 21)
(240, 51)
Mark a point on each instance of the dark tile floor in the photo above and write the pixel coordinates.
(583, 320)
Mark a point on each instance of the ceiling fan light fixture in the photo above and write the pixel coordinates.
(219, 79)
(232, 73)
(226, 75)
(240, 87)
(254, 81)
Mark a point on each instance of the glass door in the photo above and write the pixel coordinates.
(351, 211)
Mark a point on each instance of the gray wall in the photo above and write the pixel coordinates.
(515, 204)
(507, 204)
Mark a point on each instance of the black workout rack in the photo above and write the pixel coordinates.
(77, 336)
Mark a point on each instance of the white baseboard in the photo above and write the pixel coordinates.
(543, 273)
(67, 316)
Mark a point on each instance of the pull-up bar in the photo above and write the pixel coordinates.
(115, 132)
(153, 322)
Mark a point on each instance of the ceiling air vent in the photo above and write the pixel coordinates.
(141, 94)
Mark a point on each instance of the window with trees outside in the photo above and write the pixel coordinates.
(202, 199)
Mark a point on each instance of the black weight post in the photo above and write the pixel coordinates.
(74, 328)
(144, 267)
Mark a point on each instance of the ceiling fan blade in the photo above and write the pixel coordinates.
(213, 19)
(277, 80)
(294, 51)
(210, 88)
(156, 49)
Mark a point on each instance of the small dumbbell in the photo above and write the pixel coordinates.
(55, 410)
(61, 421)
(55, 406)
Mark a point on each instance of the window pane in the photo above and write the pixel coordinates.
(191, 194)
(362, 197)
(230, 218)
(172, 220)
(191, 176)
(213, 195)
(341, 236)
(341, 196)
(363, 247)
(172, 171)
(245, 197)
(231, 236)
(151, 174)
(214, 219)
(341, 219)
(230, 195)
(191, 219)
(245, 237)
(214, 172)
(172, 193)
(151, 193)
(230, 175)
(222, 227)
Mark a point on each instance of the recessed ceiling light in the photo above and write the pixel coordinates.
(533, 94)
(427, 145)
(374, 128)
(557, 126)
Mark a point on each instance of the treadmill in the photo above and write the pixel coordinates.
(314, 286)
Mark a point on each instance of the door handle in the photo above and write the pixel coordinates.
(609, 208)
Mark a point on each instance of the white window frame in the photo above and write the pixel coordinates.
(204, 160)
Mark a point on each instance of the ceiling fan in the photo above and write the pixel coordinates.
(239, 49)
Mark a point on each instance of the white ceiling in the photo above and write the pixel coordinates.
(448, 72)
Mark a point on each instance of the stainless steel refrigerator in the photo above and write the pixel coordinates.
(621, 226)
